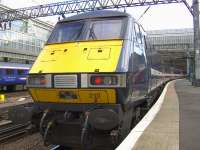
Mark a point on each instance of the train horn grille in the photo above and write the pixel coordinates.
(65, 81)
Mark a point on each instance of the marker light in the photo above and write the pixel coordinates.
(97, 80)
(43, 81)
(104, 80)
(107, 80)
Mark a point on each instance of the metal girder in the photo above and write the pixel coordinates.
(75, 6)
(188, 6)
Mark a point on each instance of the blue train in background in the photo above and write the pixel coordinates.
(13, 76)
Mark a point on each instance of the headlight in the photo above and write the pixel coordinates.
(105, 80)
(38, 81)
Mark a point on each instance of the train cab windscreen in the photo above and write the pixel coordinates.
(103, 29)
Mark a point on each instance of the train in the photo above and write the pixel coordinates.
(13, 74)
(93, 77)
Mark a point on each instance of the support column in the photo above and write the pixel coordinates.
(196, 24)
(189, 65)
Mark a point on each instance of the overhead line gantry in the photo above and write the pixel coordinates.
(77, 6)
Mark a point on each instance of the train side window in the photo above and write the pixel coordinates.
(20, 72)
(9, 71)
(138, 34)
(26, 71)
(133, 35)
(139, 59)
(135, 32)
(142, 34)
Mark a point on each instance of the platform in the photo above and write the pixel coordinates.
(174, 126)
(9, 104)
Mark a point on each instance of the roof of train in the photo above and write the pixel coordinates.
(14, 65)
(96, 14)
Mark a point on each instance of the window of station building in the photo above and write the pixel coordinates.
(9, 71)
(31, 61)
(1, 43)
(38, 49)
(6, 44)
(1, 58)
(1, 34)
(19, 26)
(30, 40)
(42, 33)
(9, 45)
(37, 42)
(32, 48)
(20, 46)
(26, 47)
(41, 43)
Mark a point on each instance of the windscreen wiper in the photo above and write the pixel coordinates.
(92, 33)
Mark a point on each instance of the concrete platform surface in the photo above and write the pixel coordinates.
(189, 123)
(163, 131)
(177, 124)
(5, 106)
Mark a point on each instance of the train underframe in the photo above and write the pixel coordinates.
(89, 126)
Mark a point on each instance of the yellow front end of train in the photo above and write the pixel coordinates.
(66, 63)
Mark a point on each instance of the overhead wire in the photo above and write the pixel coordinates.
(144, 13)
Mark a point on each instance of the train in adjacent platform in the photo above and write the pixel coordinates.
(13, 74)
(92, 78)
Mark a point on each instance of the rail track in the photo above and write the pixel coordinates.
(58, 147)
(5, 123)
(12, 132)
(3, 115)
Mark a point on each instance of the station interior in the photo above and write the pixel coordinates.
(170, 122)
